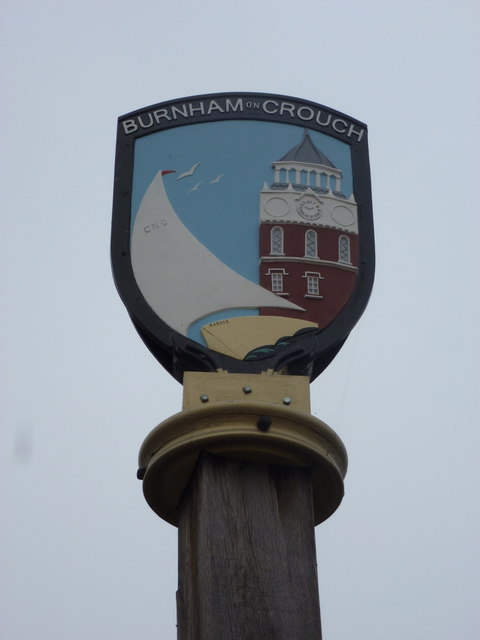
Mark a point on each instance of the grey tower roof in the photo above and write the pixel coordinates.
(307, 152)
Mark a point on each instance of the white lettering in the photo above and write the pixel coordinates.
(357, 132)
(268, 102)
(336, 123)
(193, 109)
(270, 106)
(149, 124)
(214, 106)
(323, 124)
(160, 113)
(231, 107)
(287, 106)
(129, 126)
(180, 110)
(307, 117)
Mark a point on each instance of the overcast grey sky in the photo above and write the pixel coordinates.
(81, 554)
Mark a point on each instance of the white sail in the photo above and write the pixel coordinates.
(179, 277)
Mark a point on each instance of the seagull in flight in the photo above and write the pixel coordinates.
(195, 187)
(217, 179)
(190, 172)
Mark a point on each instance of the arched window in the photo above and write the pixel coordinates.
(276, 241)
(311, 244)
(344, 249)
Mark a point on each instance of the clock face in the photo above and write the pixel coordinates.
(309, 209)
(276, 207)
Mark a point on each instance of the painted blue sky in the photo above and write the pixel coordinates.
(224, 215)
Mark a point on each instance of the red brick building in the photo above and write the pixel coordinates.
(308, 235)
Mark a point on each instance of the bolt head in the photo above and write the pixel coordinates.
(204, 397)
(264, 423)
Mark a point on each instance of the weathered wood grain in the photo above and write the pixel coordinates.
(247, 562)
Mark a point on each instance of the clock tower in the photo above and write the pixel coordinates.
(308, 234)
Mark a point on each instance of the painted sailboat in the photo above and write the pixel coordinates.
(181, 280)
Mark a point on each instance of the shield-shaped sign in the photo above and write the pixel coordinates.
(242, 235)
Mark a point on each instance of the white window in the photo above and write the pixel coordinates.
(277, 281)
(276, 241)
(311, 244)
(344, 249)
(313, 286)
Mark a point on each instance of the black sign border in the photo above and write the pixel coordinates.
(307, 354)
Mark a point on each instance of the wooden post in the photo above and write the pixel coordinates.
(245, 472)
(247, 562)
